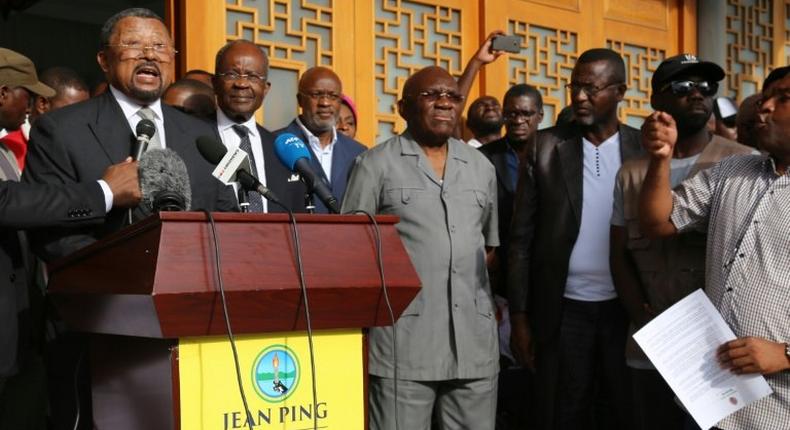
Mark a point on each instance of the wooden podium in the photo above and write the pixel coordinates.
(141, 289)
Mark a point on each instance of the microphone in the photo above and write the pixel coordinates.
(293, 153)
(232, 167)
(164, 182)
(145, 130)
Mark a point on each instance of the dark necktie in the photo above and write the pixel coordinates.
(255, 199)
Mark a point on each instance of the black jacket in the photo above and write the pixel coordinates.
(546, 222)
(78, 142)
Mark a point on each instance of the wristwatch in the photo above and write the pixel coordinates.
(787, 350)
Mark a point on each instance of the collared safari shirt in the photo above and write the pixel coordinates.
(449, 331)
(745, 207)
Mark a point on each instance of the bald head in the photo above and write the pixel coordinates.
(430, 105)
(319, 98)
(192, 97)
(241, 79)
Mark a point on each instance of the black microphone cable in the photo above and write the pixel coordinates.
(308, 318)
(231, 338)
(382, 279)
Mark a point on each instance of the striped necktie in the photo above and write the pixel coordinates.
(255, 199)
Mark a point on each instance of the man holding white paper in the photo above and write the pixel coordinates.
(743, 203)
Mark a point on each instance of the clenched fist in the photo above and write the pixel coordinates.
(124, 183)
(659, 135)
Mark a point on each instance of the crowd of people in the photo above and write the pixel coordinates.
(540, 252)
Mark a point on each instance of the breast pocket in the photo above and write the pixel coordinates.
(398, 197)
(475, 201)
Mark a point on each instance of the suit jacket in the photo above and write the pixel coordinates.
(546, 223)
(282, 182)
(78, 142)
(343, 155)
(28, 206)
(496, 152)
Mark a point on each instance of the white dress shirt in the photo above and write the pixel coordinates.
(231, 140)
(324, 154)
(130, 110)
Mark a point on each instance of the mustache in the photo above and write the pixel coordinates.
(148, 65)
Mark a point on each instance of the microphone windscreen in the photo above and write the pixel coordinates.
(145, 127)
(210, 149)
(289, 149)
(162, 170)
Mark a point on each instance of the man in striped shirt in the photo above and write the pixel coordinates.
(743, 203)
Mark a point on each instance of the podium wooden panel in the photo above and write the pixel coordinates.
(143, 287)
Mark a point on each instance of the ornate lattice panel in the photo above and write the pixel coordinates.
(640, 63)
(297, 35)
(409, 36)
(749, 45)
(546, 61)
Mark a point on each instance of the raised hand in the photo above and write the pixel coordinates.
(659, 135)
(484, 53)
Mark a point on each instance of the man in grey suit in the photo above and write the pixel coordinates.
(78, 142)
(444, 192)
(565, 315)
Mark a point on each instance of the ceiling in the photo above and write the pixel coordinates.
(89, 11)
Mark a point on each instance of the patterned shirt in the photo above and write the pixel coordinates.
(745, 207)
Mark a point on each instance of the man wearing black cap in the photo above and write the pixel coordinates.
(651, 275)
(743, 202)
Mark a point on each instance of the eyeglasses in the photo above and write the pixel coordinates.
(134, 50)
(232, 76)
(318, 95)
(589, 89)
(435, 95)
(682, 88)
(518, 114)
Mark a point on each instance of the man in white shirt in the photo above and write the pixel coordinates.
(333, 154)
(240, 83)
(566, 319)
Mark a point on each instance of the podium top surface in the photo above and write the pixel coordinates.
(158, 278)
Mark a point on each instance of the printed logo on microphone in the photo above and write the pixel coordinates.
(276, 373)
(295, 141)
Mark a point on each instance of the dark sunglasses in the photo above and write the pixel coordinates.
(682, 88)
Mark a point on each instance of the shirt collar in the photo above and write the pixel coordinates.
(409, 146)
(314, 140)
(769, 164)
(131, 107)
(224, 123)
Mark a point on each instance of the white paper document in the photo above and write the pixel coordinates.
(682, 344)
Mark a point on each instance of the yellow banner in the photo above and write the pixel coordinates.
(275, 373)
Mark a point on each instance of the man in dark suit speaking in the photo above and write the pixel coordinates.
(77, 143)
(31, 206)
